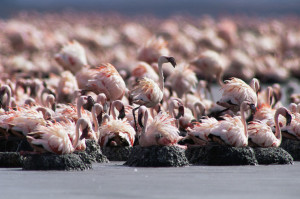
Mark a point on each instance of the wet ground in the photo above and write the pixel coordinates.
(112, 180)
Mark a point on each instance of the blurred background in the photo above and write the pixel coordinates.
(157, 7)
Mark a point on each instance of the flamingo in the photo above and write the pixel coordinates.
(264, 111)
(67, 88)
(116, 132)
(148, 92)
(182, 80)
(161, 131)
(233, 130)
(56, 137)
(236, 91)
(102, 79)
(260, 134)
(200, 131)
(210, 64)
(292, 131)
(72, 57)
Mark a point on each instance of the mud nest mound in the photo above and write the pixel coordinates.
(292, 147)
(10, 159)
(92, 153)
(220, 155)
(117, 153)
(272, 155)
(49, 161)
(157, 156)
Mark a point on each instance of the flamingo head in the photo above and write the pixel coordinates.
(288, 117)
(166, 59)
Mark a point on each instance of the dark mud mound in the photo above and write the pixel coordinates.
(49, 161)
(117, 153)
(292, 147)
(92, 153)
(10, 159)
(157, 156)
(272, 155)
(14, 145)
(220, 155)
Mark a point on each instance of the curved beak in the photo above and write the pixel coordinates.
(172, 61)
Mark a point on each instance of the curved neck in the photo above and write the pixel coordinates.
(7, 90)
(277, 127)
(80, 102)
(161, 75)
(113, 112)
(201, 108)
(244, 120)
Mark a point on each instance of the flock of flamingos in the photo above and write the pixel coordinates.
(65, 79)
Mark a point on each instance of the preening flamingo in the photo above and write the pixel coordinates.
(236, 91)
(260, 134)
(116, 132)
(161, 131)
(56, 137)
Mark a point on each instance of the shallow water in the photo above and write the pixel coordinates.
(112, 180)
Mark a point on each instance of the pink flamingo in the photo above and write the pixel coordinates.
(148, 92)
(56, 137)
(260, 134)
(233, 130)
(72, 57)
(102, 79)
(161, 131)
(236, 91)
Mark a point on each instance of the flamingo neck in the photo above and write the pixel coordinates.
(145, 121)
(244, 121)
(7, 90)
(220, 77)
(161, 75)
(76, 140)
(94, 116)
(277, 127)
(113, 112)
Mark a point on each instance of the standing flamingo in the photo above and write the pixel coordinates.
(260, 134)
(236, 91)
(161, 131)
(148, 92)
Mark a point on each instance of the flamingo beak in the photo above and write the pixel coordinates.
(122, 113)
(253, 108)
(172, 61)
(140, 116)
(180, 112)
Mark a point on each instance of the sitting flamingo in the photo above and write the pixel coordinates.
(161, 131)
(260, 134)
